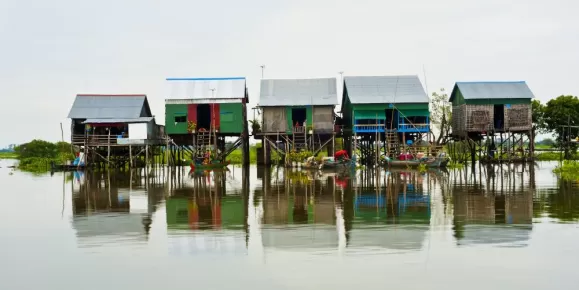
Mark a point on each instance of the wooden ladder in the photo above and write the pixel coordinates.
(202, 141)
(392, 143)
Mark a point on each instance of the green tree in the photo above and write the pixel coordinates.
(538, 116)
(37, 148)
(441, 115)
(557, 114)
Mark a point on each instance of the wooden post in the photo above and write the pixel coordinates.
(167, 151)
(404, 143)
(334, 144)
(131, 156)
(146, 157)
(109, 147)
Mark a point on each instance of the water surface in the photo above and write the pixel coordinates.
(493, 228)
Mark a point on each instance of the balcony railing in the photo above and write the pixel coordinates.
(413, 128)
(94, 140)
(299, 129)
(369, 128)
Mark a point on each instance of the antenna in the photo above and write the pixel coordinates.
(262, 69)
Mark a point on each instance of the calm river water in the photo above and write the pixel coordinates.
(514, 228)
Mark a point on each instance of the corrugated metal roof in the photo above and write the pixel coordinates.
(385, 89)
(108, 107)
(494, 90)
(298, 92)
(104, 120)
(206, 88)
(200, 101)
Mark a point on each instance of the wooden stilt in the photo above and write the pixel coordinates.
(146, 157)
(109, 147)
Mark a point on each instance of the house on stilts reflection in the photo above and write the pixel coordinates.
(496, 114)
(200, 113)
(115, 129)
(384, 115)
(297, 115)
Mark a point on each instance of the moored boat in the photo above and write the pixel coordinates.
(439, 161)
(213, 165)
(328, 163)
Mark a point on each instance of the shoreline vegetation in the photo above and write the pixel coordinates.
(36, 156)
(568, 170)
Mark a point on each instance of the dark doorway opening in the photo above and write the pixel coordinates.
(391, 122)
(204, 116)
(499, 114)
(298, 116)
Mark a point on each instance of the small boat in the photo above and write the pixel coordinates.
(328, 163)
(434, 162)
(65, 167)
(213, 165)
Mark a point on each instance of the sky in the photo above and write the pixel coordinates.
(52, 50)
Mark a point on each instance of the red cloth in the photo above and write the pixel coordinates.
(405, 157)
(341, 153)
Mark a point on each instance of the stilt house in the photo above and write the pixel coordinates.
(489, 107)
(299, 112)
(377, 104)
(207, 103)
(202, 112)
(113, 120)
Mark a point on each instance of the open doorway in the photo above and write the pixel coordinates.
(203, 116)
(298, 116)
(499, 114)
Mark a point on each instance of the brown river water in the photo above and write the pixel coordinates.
(493, 228)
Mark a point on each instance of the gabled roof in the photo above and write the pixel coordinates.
(385, 89)
(93, 106)
(298, 92)
(130, 121)
(493, 90)
(206, 88)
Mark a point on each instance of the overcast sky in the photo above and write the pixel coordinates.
(52, 50)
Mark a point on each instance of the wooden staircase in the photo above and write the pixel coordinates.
(299, 138)
(203, 139)
(391, 143)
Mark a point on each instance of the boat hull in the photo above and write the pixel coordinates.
(437, 163)
(330, 166)
(208, 166)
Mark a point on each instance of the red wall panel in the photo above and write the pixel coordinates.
(192, 113)
(215, 115)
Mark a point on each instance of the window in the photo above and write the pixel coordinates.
(180, 119)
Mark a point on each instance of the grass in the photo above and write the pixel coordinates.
(551, 156)
(8, 155)
(569, 170)
(454, 165)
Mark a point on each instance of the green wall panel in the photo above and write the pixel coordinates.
(172, 111)
(399, 106)
(407, 113)
(231, 118)
(367, 114)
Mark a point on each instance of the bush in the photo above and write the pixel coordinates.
(37, 148)
(568, 170)
(37, 155)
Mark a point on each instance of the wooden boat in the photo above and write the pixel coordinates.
(330, 165)
(437, 162)
(214, 165)
(65, 167)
